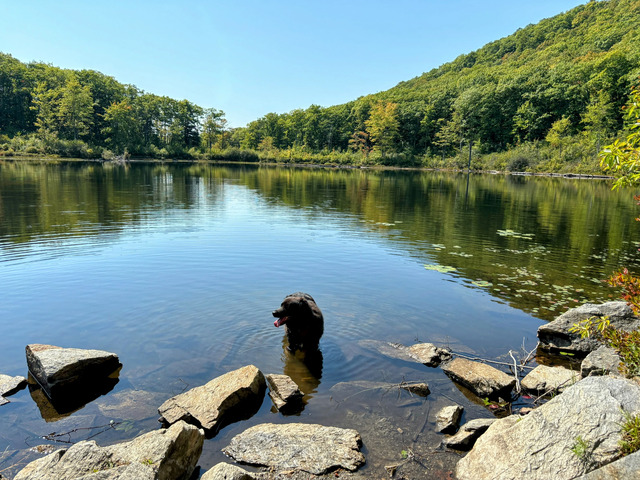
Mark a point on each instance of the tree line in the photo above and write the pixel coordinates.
(545, 98)
(84, 113)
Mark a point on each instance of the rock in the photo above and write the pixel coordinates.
(425, 353)
(556, 334)
(481, 379)
(627, 468)
(448, 418)
(170, 454)
(226, 471)
(10, 385)
(468, 433)
(420, 389)
(224, 399)
(312, 448)
(539, 445)
(603, 361)
(63, 371)
(549, 379)
(428, 354)
(284, 392)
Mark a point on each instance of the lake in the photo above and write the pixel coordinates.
(177, 267)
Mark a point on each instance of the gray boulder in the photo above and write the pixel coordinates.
(234, 395)
(170, 454)
(539, 445)
(428, 354)
(62, 371)
(311, 448)
(556, 334)
(448, 418)
(10, 385)
(627, 468)
(482, 379)
(549, 379)
(468, 433)
(226, 471)
(284, 392)
(603, 361)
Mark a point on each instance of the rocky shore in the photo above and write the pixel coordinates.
(574, 433)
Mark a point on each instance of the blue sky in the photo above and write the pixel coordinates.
(252, 57)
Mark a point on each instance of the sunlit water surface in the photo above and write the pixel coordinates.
(176, 268)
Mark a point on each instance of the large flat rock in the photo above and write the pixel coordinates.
(311, 448)
(556, 335)
(236, 394)
(62, 371)
(170, 454)
(481, 379)
(539, 445)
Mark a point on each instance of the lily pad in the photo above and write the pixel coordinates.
(440, 268)
(481, 283)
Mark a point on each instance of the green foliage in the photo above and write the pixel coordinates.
(581, 449)
(626, 344)
(630, 441)
(622, 157)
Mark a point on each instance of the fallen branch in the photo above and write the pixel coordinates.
(55, 437)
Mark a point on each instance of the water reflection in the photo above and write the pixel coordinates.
(566, 235)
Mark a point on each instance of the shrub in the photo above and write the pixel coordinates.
(518, 164)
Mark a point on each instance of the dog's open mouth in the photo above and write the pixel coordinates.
(280, 321)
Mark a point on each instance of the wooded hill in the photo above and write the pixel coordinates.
(544, 99)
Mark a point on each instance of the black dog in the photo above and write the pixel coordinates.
(302, 319)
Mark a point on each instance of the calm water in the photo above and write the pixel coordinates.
(176, 269)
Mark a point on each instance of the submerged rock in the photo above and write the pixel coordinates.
(448, 418)
(481, 379)
(426, 353)
(312, 448)
(468, 433)
(420, 389)
(541, 444)
(556, 334)
(549, 379)
(603, 361)
(170, 454)
(224, 399)
(61, 372)
(284, 392)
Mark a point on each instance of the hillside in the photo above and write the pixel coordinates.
(566, 76)
(544, 99)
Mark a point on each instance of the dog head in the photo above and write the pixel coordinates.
(294, 307)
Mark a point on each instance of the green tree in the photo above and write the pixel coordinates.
(75, 109)
(382, 126)
(213, 127)
(45, 104)
(122, 126)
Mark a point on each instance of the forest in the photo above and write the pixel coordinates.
(544, 99)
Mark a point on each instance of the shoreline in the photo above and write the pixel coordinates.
(52, 160)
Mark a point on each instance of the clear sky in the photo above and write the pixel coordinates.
(252, 57)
